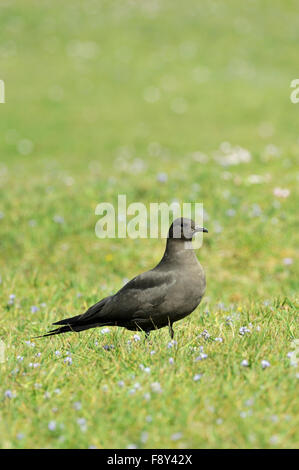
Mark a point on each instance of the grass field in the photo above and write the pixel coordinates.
(159, 101)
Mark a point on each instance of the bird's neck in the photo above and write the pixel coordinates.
(179, 251)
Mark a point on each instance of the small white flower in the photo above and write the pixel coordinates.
(231, 212)
(243, 330)
(282, 193)
(176, 436)
(156, 387)
(197, 377)
(245, 363)
(68, 360)
(132, 446)
(58, 219)
(219, 340)
(121, 383)
(136, 338)
(8, 394)
(57, 353)
(105, 331)
(34, 364)
(34, 309)
(249, 402)
(205, 334)
(12, 297)
(274, 440)
(82, 423)
(144, 437)
(152, 353)
(171, 360)
(77, 405)
(265, 364)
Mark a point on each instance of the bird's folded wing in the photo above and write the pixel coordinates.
(140, 297)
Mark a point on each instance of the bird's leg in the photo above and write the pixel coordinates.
(147, 334)
(171, 332)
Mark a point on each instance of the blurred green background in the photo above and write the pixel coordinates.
(161, 101)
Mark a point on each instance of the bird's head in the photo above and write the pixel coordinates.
(184, 229)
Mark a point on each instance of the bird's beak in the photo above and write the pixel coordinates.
(200, 229)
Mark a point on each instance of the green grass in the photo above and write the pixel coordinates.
(80, 83)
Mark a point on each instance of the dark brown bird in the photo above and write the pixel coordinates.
(156, 298)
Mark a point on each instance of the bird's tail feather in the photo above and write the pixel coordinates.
(74, 328)
(68, 321)
(89, 319)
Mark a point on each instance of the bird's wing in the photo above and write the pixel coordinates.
(84, 318)
(140, 297)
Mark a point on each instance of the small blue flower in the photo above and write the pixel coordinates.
(201, 357)
(162, 177)
(52, 425)
(219, 340)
